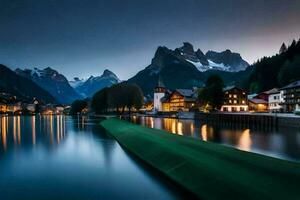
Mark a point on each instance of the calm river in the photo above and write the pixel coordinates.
(58, 157)
(283, 143)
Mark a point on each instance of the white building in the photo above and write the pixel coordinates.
(275, 100)
(159, 93)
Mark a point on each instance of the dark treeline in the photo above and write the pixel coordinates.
(275, 71)
(211, 96)
(118, 98)
(77, 106)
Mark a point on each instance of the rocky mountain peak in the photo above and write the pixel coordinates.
(187, 48)
(95, 83)
(52, 81)
(107, 72)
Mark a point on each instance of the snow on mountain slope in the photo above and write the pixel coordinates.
(211, 65)
(95, 83)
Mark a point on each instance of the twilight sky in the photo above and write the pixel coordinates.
(82, 38)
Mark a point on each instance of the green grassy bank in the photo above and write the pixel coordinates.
(209, 170)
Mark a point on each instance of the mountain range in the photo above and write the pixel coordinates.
(89, 87)
(182, 67)
(22, 87)
(53, 82)
(65, 91)
(186, 68)
(224, 61)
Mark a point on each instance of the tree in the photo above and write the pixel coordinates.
(77, 106)
(275, 71)
(289, 72)
(100, 101)
(135, 97)
(283, 48)
(212, 94)
(118, 97)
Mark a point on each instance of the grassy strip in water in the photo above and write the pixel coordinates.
(211, 171)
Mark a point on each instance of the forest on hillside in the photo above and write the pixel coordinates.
(276, 71)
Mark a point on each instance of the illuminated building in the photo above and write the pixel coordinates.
(275, 99)
(235, 100)
(291, 97)
(179, 100)
(159, 93)
(258, 105)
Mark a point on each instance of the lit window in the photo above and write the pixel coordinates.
(234, 101)
(235, 96)
(230, 96)
(230, 101)
(243, 102)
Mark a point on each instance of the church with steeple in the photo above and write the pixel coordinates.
(173, 101)
(159, 93)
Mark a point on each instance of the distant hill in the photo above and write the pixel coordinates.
(276, 71)
(21, 87)
(53, 82)
(184, 68)
(95, 83)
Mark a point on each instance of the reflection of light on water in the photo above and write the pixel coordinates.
(33, 130)
(51, 129)
(15, 130)
(204, 132)
(245, 142)
(151, 122)
(179, 128)
(134, 119)
(173, 126)
(4, 131)
(58, 128)
(192, 128)
(19, 129)
(12, 128)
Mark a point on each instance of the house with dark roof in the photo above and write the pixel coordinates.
(235, 100)
(173, 101)
(179, 100)
(291, 97)
(260, 102)
(258, 105)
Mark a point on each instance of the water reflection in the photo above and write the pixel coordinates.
(283, 143)
(42, 154)
(16, 129)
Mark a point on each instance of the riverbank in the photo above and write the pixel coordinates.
(252, 119)
(209, 170)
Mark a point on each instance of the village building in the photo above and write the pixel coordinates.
(173, 101)
(179, 100)
(3, 107)
(258, 105)
(235, 100)
(291, 97)
(260, 102)
(159, 93)
(275, 100)
(14, 107)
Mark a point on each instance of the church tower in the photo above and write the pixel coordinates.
(159, 92)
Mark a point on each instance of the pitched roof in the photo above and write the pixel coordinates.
(292, 85)
(258, 101)
(272, 91)
(251, 96)
(185, 92)
(231, 87)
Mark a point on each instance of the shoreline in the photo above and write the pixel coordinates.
(199, 166)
